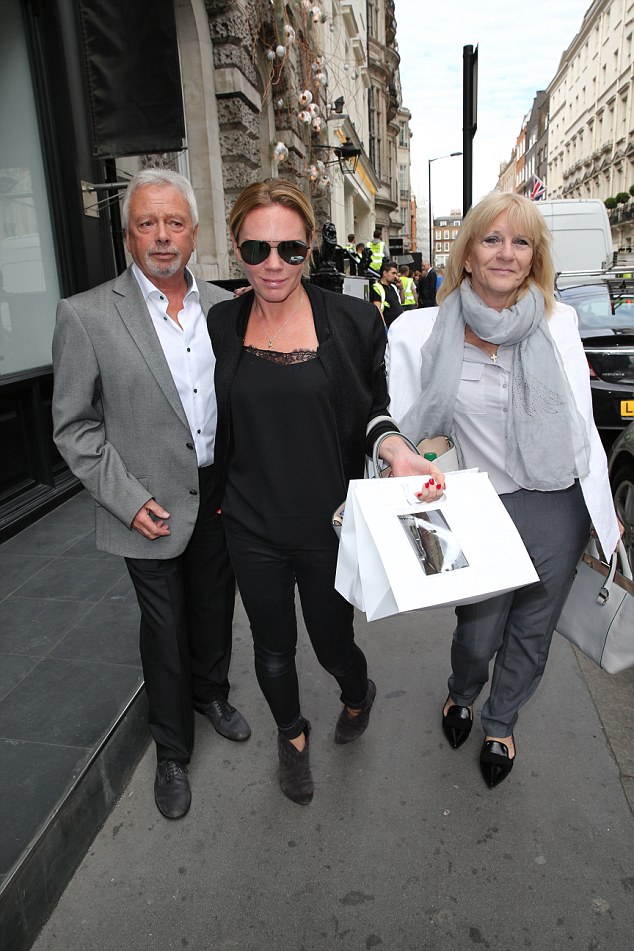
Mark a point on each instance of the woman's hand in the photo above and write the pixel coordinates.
(404, 462)
(239, 291)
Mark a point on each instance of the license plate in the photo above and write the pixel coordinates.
(627, 408)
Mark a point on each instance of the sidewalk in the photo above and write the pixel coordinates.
(72, 708)
(403, 848)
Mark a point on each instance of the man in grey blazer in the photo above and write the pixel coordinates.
(134, 412)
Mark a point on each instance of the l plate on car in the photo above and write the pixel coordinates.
(627, 409)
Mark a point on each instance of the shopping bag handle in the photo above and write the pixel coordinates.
(377, 445)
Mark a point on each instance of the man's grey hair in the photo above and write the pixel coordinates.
(160, 177)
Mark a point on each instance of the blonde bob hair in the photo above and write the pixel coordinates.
(523, 218)
(272, 191)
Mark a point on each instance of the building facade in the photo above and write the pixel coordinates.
(591, 135)
(579, 136)
(444, 233)
(407, 220)
(384, 103)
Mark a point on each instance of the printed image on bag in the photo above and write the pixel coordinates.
(433, 541)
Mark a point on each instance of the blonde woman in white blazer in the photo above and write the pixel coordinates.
(499, 367)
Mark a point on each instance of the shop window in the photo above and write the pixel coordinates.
(29, 286)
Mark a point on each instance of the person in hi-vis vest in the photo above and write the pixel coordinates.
(387, 293)
(410, 294)
(379, 252)
(352, 255)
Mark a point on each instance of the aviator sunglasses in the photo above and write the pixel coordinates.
(255, 252)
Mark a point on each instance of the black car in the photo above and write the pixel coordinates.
(621, 467)
(604, 303)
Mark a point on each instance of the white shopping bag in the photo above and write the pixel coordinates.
(397, 554)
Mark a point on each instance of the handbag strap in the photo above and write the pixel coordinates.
(377, 445)
(606, 588)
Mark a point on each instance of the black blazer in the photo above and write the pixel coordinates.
(427, 289)
(351, 349)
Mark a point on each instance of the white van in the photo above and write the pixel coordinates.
(582, 240)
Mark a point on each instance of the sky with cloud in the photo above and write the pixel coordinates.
(519, 49)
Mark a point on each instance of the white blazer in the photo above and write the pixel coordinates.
(410, 331)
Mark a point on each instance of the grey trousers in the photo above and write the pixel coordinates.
(517, 628)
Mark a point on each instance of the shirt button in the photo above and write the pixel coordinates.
(189, 350)
(195, 390)
(199, 431)
(193, 492)
(189, 445)
(161, 297)
(505, 411)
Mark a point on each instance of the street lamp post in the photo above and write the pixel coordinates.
(431, 219)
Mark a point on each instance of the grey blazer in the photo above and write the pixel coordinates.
(117, 417)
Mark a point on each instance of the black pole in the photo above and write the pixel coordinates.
(469, 120)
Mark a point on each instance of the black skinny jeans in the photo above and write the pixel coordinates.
(266, 578)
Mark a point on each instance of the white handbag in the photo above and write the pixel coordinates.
(598, 616)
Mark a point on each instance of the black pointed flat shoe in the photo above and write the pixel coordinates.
(456, 724)
(495, 762)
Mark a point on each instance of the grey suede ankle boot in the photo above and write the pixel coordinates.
(349, 728)
(296, 780)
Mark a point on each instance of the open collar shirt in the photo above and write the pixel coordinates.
(190, 357)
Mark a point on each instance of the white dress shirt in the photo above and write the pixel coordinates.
(480, 413)
(190, 357)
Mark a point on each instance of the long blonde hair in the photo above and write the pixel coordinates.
(524, 218)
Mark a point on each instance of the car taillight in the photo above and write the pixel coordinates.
(593, 375)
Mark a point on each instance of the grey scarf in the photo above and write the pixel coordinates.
(546, 441)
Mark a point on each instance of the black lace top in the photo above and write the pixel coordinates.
(286, 359)
(285, 476)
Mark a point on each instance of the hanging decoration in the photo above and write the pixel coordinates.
(280, 152)
(288, 34)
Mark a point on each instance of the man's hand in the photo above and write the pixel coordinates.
(150, 522)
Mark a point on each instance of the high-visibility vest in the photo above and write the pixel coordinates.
(408, 287)
(378, 253)
(378, 287)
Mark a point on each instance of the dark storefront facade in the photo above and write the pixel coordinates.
(57, 138)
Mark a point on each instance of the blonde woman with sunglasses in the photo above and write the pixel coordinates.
(302, 397)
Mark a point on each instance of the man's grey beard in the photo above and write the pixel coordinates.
(163, 270)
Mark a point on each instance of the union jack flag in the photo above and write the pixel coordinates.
(538, 189)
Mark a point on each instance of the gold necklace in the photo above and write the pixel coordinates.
(277, 332)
